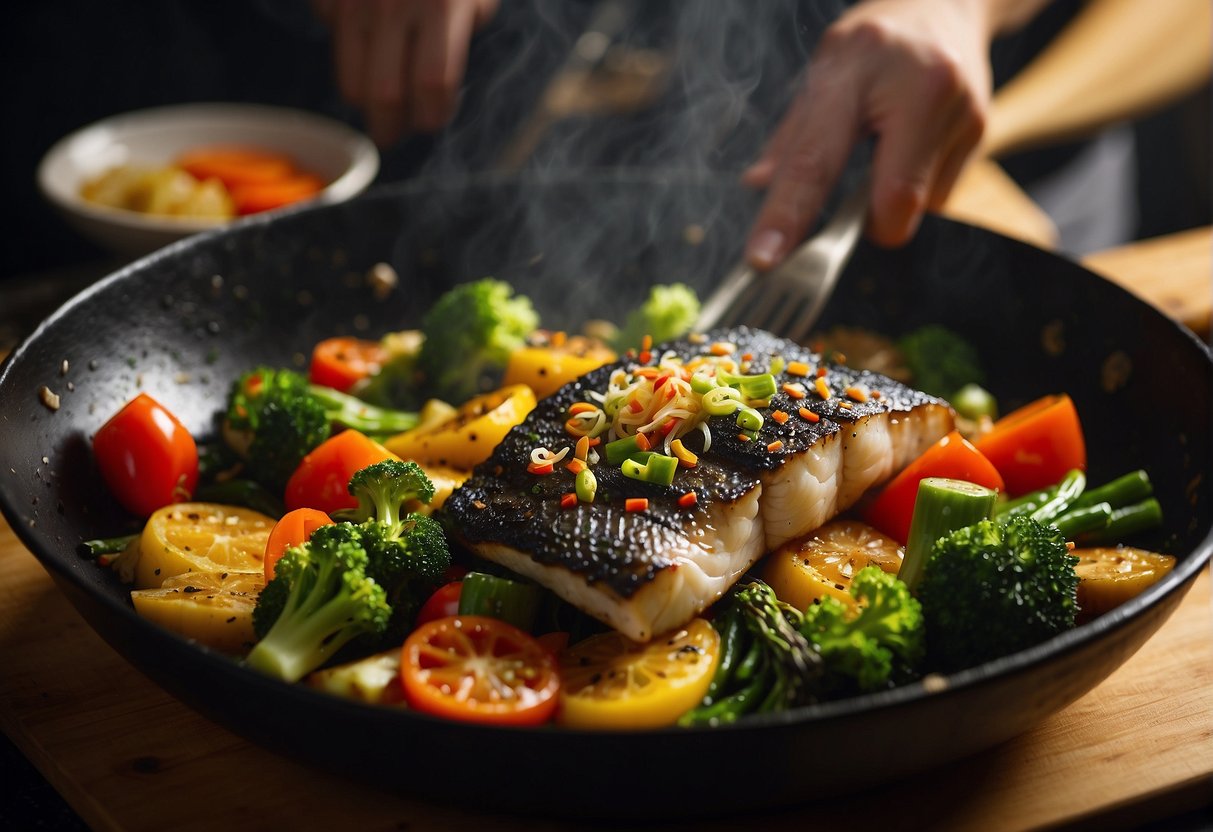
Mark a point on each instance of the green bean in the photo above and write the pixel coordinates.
(1068, 490)
(1076, 521)
(1024, 504)
(1128, 520)
(1122, 491)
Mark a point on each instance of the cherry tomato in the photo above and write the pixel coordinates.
(323, 477)
(953, 457)
(1038, 444)
(442, 604)
(293, 529)
(146, 456)
(472, 668)
(342, 362)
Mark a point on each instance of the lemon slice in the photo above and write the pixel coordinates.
(209, 608)
(822, 563)
(201, 537)
(612, 682)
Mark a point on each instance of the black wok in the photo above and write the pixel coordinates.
(266, 290)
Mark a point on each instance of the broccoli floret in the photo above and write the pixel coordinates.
(669, 312)
(321, 597)
(469, 334)
(407, 551)
(941, 360)
(384, 488)
(994, 588)
(879, 645)
(272, 422)
(275, 417)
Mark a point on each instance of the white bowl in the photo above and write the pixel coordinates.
(339, 155)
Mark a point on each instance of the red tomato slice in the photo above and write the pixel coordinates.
(292, 529)
(953, 457)
(1037, 445)
(442, 604)
(146, 456)
(342, 362)
(472, 668)
(323, 477)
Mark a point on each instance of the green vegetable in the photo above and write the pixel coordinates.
(748, 418)
(275, 417)
(511, 601)
(1122, 491)
(974, 401)
(619, 450)
(321, 597)
(994, 588)
(870, 650)
(407, 552)
(669, 312)
(1067, 492)
(352, 412)
(272, 422)
(760, 386)
(586, 485)
(941, 507)
(1086, 519)
(1126, 521)
(765, 665)
(651, 467)
(470, 332)
(941, 360)
(93, 549)
(1024, 504)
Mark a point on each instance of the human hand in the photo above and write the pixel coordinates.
(402, 61)
(916, 74)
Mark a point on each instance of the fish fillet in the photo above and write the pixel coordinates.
(643, 572)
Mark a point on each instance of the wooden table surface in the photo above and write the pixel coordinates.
(128, 756)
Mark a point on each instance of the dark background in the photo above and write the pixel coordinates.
(72, 62)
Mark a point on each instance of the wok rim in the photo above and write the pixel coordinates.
(1178, 580)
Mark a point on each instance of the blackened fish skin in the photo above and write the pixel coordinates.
(501, 503)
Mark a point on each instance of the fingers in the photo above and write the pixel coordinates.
(402, 61)
(803, 162)
(441, 57)
(915, 75)
(391, 40)
(350, 21)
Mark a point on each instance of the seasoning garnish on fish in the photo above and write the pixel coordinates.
(703, 453)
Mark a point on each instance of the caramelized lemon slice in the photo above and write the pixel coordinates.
(822, 563)
(612, 682)
(201, 537)
(210, 608)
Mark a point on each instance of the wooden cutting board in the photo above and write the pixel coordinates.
(127, 756)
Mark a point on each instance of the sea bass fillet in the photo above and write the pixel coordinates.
(645, 557)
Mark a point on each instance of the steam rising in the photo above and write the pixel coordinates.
(696, 87)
